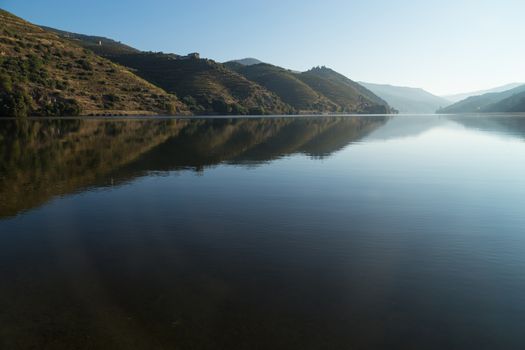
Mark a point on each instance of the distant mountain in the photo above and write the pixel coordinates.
(347, 94)
(460, 97)
(507, 101)
(43, 74)
(246, 61)
(408, 100)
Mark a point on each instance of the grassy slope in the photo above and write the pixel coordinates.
(286, 85)
(347, 94)
(43, 74)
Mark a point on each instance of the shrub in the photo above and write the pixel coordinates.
(237, 109)
(257, 111)
(84, 64)
(15, 103)
(110, 100)
(60, 107)
(220, 106)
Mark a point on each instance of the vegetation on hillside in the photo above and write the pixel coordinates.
(44, 75)
(287, 85)
(204, 85)
(52, 73)
(347, 94)
(245, 86)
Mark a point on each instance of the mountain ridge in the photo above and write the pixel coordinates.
(106, 73)
(200, 83)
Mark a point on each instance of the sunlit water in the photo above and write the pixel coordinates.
(277, 233)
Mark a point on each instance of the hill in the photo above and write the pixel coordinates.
(512, 104)
(460, 97)
(349, 96)
(287, 85)
(492, 102)
(406, 99)
(205, 85)
(43, 74)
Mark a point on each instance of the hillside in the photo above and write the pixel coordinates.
(460, 97)
(347, 94)
(206, 86)
(512, 104)
(406, 99)
(43, 74)
(491, 102)
(287, 86)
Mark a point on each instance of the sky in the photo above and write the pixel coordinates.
(445, 46)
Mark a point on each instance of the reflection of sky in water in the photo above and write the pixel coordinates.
(392, 242)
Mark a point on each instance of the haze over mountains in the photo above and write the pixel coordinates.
(512, 100)
(459, 97)
(50, 72)
(408, 100)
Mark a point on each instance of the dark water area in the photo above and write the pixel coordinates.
(369, 232)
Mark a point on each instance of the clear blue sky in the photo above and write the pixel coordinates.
(444, 46)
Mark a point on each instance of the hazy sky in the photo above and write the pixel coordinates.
(444, 46)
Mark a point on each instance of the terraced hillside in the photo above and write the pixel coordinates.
(287, 85)
(204, 85)
(44, 74)
(347, 94)
(240, 87)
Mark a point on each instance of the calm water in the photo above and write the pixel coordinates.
(276, 233)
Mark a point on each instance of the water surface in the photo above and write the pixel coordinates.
(369, 232)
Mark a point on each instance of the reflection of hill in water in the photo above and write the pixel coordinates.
(508, 125)
(43, 159)
(47, 158)
(407, 126)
